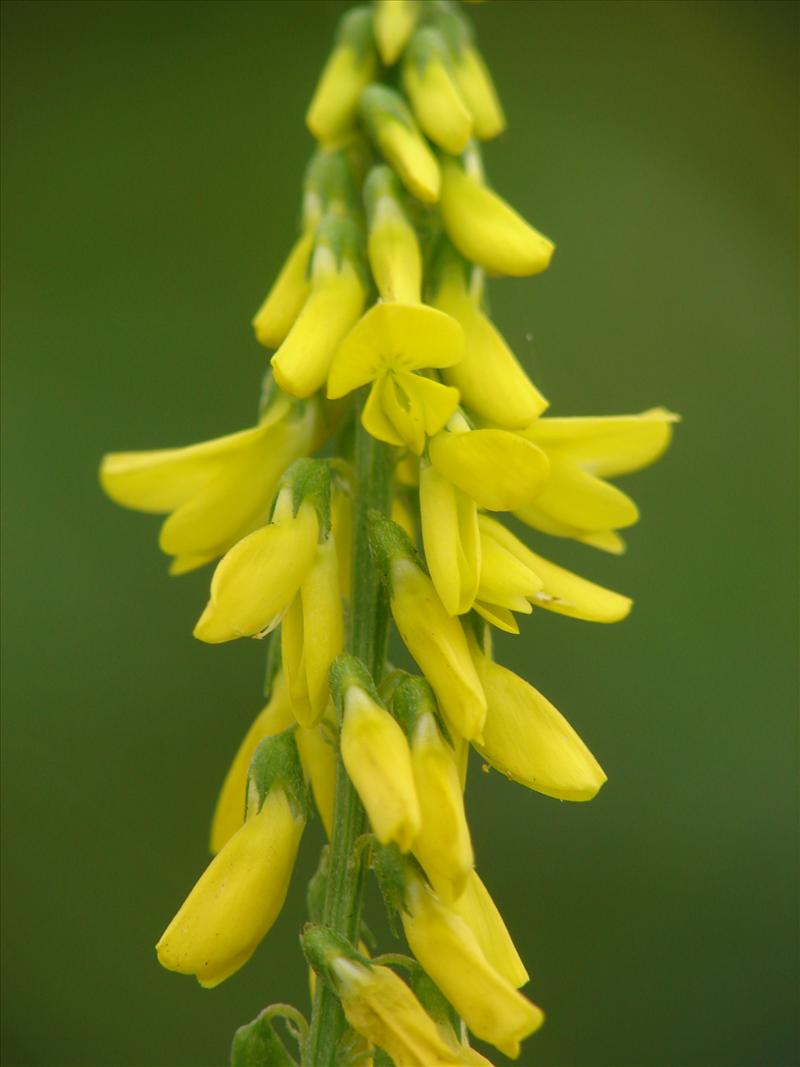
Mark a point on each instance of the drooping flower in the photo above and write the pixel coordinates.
(391, 126)
(230, 807)
(449, 951)
(394, 22)
(435, 639)
(351, 66)
(433, 91)
(218, 491)
(376, 754)
(529, 740)
(239, 896)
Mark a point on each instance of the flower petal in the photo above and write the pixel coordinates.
(494, 467)
(255, 582)
(575, 497)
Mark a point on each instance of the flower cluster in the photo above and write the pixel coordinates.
(436, 444)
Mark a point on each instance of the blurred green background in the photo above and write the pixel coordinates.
(152, 158)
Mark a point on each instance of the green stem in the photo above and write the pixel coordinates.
(369, 625)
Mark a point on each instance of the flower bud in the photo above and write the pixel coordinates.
(393, 130)
(394, 22)
(434, 638)
(486, 230)
(392, 246)
(376, 755)
(333, 306)
(350, 67)
(451, 540)
(432, 90)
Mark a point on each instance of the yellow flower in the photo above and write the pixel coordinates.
(471, 74)
(443, 845)
(392, 128)
(486, 230)
(489, 378)
(334, 303)
(577, 501)
(451, 539)
(215, 492)
(240, 894)
(350, 67)
(380, 1006)
(258, 578)
(393, 24)
(513, 578)
(479, 912)
(395, 257)
(433, 92)
(312, 635)
(529, 741)
(229, 811)
(434, 638)
(495, 468)
(449, 951)
(386, 347)
(378, 762)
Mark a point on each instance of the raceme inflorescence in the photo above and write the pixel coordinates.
(397, 431)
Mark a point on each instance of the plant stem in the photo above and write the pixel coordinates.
(369, 625)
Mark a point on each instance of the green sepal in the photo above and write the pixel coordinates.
(379, 104)
(310, 479)
(382, 1059)
(387, 542)
(392, 869)
(276, 764)
(412, 698)
(428, 45)
(321, 946)
(432, 999)
(328, 186)
(343, 236)
(273, 664)
(451, 24)
(317, 888)
(355, 29)
(347, 671)
(383, 184)
(256, 1044)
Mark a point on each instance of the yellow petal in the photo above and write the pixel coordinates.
(258, 578)
(505, 579)
(394, 21)
(494, 467)
(394, 254)
(160, 480)
(608, 445)
(380, 1006)
(486, 230)
(530, 741)
(342, 527)
(283, 303)
(229, 811)
(443, 845)
(479, 912)
(293, 660)
(449, 951)
(375, 420)
(561, 590)
(378, 762)
(302, 362)
(403, 410)
(319, 765)
(437, 643)
(577, 498)
(490, 379)
(477, 89)
(237, 898)
(605, 540)
(323, 626)
(450, 537)
(184, 564)
(333, 107)
(398, 337)
(409, 155)
(437, 104)
(436, 401)
(400, 513)
(502, 618)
